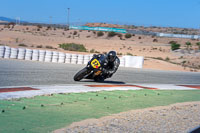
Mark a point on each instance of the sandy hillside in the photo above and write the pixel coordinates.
(157, 51)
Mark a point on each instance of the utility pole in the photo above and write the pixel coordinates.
(199, 33)
(17, 20)
(50, 20)
(68, 9)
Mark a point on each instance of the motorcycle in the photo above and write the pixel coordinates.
(94, 70)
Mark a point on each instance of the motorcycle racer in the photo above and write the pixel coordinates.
(100, 67)
(111, 63)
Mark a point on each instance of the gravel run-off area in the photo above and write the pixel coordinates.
(179, 118)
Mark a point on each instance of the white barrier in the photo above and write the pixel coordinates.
(61, 57)
(68, 58)
(28, 55)
(2, 50)
(55, 57)
(91, 56)
(74, 59)
(122, 61)
(21, 53)
(80, 59)
(86, 59)
(7, 52)
(35, 56)
(48, 56)
(41, 55)
(134, 61)
(14, 53)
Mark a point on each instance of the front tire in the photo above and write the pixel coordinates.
(81, 74)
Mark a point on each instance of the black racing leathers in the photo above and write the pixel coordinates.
(109, 67)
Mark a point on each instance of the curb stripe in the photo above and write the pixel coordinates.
(3, 90)
(146, 87)
(123, 86)
(191, 86)
(110, 85)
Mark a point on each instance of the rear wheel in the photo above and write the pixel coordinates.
(81, 74)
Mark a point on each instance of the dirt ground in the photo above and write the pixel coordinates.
(156, 50)
(179, 117)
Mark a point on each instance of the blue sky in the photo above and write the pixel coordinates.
(174, 13)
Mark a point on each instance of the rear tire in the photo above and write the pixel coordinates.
(81, 74)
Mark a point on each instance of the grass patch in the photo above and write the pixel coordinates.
(73, 47)
(49, 47)
(100, 33)
(128, 35)
(39, 46)
(22, 45)
(94, 51)
(129, 54)
(47, 113)
(112, 34)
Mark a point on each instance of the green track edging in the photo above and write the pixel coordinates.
(47, 113)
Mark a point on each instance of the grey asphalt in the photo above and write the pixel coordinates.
(22, 73)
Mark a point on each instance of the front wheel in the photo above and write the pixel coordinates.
(81, 74)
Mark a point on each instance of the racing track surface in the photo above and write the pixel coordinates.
(20, 73)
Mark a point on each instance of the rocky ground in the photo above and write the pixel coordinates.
(180, 118)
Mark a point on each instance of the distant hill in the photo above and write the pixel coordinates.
(9, 19)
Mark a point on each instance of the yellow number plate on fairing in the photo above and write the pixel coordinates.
(95, 63)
